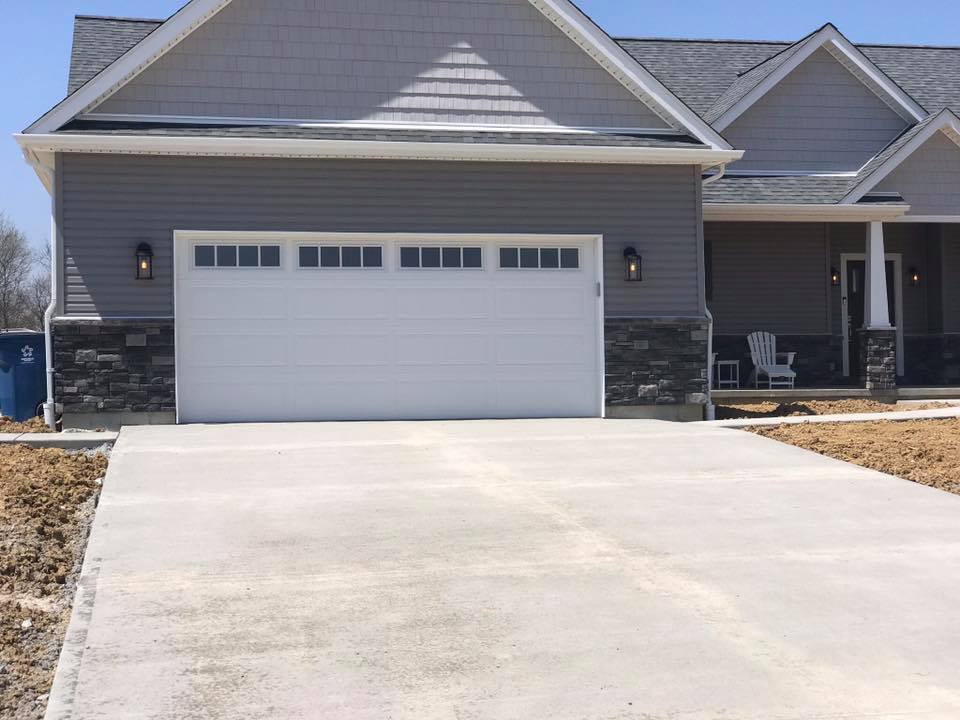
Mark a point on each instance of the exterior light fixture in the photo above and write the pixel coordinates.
(633, 265)
(144, 262)
(834, 277)
(915, 278)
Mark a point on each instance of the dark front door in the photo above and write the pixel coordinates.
(856, 285)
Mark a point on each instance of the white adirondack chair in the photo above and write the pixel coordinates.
(763, 352)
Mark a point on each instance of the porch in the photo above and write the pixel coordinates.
(867, 307)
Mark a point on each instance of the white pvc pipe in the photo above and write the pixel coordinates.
(50, 406)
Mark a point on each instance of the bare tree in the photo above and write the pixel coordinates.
(16, 265)
(37, 291)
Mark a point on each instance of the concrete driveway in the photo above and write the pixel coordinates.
(509, 570)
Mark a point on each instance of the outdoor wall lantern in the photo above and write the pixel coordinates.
(633, 264)
(834, 277)
(144, 262)
(914, 277)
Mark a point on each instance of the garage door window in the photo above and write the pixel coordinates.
(441, 258)
(341, 256)
(233, 256)
(527, 258)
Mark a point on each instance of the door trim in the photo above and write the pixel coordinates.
(897, 259)
(292, 238)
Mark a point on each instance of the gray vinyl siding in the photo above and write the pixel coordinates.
(112, 203)
(819, 117)
(951, 278)
(908, 239)
(769, 276)
(452, 61)
(929, 179)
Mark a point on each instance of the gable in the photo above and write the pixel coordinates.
(390, 61)
(819, 118)
(929, 180)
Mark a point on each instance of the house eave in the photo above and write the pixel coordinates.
(744, 212)
(372, 149)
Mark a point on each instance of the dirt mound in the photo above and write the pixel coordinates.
(924, 451)
(816, 407)
(34, 425)
(47, 498)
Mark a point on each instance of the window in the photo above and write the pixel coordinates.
(446, 258)
(527, 258)
(232, 256)
(341, 256)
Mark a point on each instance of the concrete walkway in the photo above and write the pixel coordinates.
(900, 416)
(64, 441)
(509, 571)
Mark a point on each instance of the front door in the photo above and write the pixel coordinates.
(856, 284)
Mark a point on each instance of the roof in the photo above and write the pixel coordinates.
(341, 132)
(766, 189)
(701, 71)
(98, 41)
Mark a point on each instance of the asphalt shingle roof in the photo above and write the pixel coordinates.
(98, 41)
(786, 189)
(89, 127)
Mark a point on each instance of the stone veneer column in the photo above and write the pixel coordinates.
(878, 358)
(656, 364)
(112, 371)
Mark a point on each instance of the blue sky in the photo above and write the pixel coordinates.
(35, 39)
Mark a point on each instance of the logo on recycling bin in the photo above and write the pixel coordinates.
(26, 353)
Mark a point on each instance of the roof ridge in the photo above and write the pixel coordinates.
(117, 18)
(741, 41)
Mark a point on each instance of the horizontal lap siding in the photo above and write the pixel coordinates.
(929, 179)
(768, 276)
(820, 117)
(112, 203)
(469, 61)
(951, 278)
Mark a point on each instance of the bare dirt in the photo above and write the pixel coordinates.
(34, 425)
(47, 500)
(923, 451)
(817, 407)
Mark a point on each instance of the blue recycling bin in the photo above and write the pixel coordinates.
(23, 386)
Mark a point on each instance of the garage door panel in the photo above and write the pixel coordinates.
(452, 348)
(388, 343)
(343, 349)
(341, 303)
(544, 348)
(442, 303)
(235, 300)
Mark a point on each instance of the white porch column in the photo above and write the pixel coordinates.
(877, 310)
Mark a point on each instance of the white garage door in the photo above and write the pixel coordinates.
(296, 327)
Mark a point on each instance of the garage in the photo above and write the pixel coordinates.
(306, 326)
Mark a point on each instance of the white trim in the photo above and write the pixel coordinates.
(296, 238)
(372, 149)
(370, 125)
(130, 64)
(897, 259)
(752, 212)
(792, 173)
(943, 219)
(619, 63)
(108, 318)
(945, 121)
(562, 13)
(835, 43)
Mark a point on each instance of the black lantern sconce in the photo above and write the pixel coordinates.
(633, 264)
(914, 276)
(144, 262)
(834, 277)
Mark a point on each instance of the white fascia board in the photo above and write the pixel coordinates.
(827, 35)
(946, 120)
(130, 64)
(372, 149)
(749, 212)
(630, 73)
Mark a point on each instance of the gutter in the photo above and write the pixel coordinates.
(50, 406)
(373, 149)
(716, 176)
(758, 212)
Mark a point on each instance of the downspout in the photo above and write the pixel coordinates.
(50, 406)
(711, 408)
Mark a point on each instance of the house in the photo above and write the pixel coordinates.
(320, 209)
